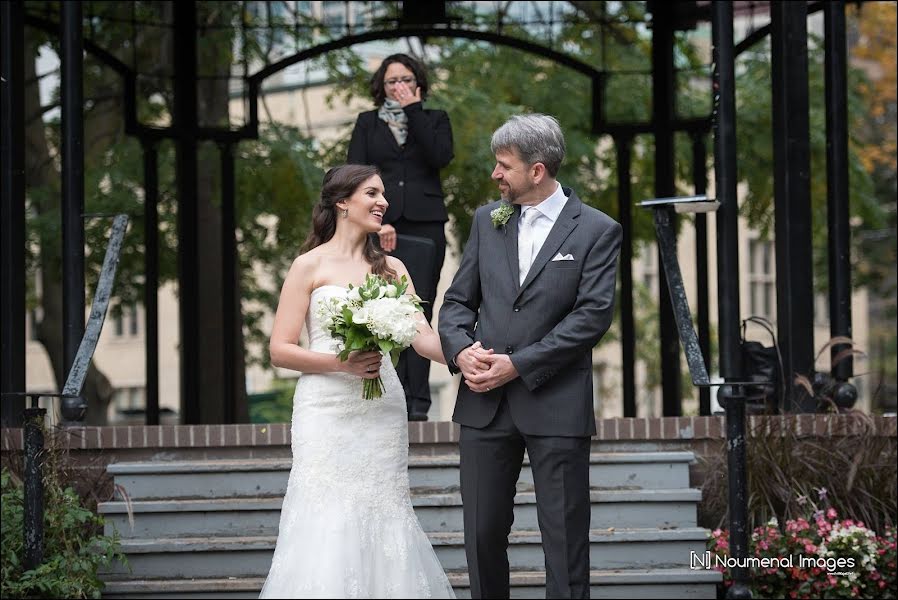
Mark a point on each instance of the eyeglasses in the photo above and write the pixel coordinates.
(405, 80)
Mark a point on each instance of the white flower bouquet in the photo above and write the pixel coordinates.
(376, 316)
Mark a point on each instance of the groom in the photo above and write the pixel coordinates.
(535, 286)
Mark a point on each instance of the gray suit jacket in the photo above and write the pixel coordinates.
(548, 326)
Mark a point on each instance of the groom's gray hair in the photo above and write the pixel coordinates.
(535, 137)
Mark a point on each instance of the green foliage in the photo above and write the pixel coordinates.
(480, 87)
(275, 405)
(278, 177)
(478, 84)
(74, 550)
(754, 129)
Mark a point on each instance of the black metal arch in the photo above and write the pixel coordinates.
(255, 81)
(149, 136)
(133, 126)
(186, 131)
(129, 77)
(762, 32)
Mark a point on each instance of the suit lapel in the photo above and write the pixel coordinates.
(388, 133)
(511, 243)
(562, 228)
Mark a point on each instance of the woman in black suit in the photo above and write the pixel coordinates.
(409, 144)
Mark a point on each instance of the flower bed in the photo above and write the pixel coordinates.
(819, 556)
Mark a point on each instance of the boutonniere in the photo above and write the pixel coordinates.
(501, 214)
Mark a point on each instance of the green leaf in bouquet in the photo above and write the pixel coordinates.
(394, 356)
(402, 284)
(385, 346)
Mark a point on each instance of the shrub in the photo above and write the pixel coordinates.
(857, 470)
(275, 405)
(74, 548)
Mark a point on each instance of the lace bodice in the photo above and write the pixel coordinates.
(320, 339)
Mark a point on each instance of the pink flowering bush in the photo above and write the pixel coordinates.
(842, 558)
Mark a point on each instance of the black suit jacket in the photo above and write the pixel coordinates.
(548, 326)
(411, 173)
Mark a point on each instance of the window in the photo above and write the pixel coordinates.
(334, 14)
(36, 314)
(132, 320)
(33, 320)
(127, 318)
(821, 310)
(119, 325)
(761, 279)
(130, 398)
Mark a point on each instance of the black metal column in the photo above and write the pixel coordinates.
(33, 522)
(12, 211)
(725, 180)
(186, 123)
(724, 84)
(72, 195)
(228, 279)
(792, 196)
(151, 283)
(837, 184)
(623, 146)
(700, 181)
(663, 90)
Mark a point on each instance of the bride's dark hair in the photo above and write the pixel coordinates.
(339, 184)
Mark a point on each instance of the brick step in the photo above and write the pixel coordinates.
(437, 512)
(648, 583)
(219, 478)
(251, 556)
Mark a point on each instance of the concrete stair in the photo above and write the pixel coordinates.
(207, 529)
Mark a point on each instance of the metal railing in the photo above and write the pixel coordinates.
(731, 394)
(73, 405)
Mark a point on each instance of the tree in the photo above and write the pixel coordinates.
(43, 192)
(875, 49)
(478, 84)
(114, 183)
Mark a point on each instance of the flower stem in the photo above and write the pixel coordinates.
(373, 388)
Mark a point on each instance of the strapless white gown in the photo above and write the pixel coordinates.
(347, 528)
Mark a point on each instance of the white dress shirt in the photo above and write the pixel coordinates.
(532, 237)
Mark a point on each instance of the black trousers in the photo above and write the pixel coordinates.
(413, 370)
(491, 460)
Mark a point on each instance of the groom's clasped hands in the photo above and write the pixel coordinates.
(483, 370)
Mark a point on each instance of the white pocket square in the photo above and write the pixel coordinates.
(560, 257)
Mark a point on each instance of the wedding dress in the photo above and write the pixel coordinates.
(347, 527)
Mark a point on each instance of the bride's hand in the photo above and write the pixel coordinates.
(363, 364)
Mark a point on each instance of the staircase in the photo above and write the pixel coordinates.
(207, 529)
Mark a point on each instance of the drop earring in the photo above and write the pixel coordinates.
(345, 213)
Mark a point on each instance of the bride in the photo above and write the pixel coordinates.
(347, 527)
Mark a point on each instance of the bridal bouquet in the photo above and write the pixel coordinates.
(376, 316)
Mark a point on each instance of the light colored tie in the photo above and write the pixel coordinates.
(525, 242)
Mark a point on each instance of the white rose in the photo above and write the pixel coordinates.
(361, 316)
(354, 295)
(391, 291)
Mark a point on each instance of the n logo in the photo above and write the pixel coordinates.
(699, 561)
